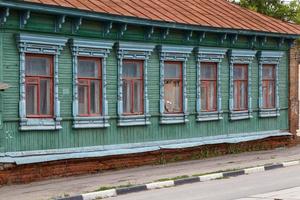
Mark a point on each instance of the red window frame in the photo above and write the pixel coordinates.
(88, 85)
(35, 80)
(131, 81)
(238, 82)
(265, 83)
(206, 82)
(180, 80)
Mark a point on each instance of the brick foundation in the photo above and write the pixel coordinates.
(11, 173)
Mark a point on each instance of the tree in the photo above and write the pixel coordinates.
(284, 10)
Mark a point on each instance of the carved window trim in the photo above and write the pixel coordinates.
(240, 57)
(94, 49)
(269, 58)
(212, 55)
(39, 44)
(174, 53)
(133, 51)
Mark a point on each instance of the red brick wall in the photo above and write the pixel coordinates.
(293, 89)
(10, 173)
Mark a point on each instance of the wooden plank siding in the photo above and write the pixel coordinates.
(14, 140)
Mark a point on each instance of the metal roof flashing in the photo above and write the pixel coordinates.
(73, 12)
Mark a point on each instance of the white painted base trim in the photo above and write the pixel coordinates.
(157, 185)
(100, 194)
(291, 163)
(209, 177)
(254, 170)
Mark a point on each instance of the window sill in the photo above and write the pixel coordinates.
(240, 115)
(134, 120)
(91, 122)
(269, 113)
(173, 118)
(29, 124)
(209, 116)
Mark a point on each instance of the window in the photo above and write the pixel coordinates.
(133, 102)
(173, 87)
(39, 105)
(268, 86)
(209, 97)
(208, 87)
(132, 78)
(90, 105)
(240, 97)
(39, 86)
(269, 62)
(240, 87)
(89, 86)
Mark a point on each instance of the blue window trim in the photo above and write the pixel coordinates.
(214, 55)
(174, 53)
(240, 57)
(133, 51)
(90, 48)
(269, 57)
(39, 44)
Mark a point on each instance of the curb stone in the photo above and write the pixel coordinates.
(172, 183)
(186, 180)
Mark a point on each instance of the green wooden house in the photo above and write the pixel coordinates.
(89, 79)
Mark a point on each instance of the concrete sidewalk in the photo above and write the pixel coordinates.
(82, 184)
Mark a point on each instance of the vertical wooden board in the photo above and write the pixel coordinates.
(65, 70)
(191, 70)
(41, 22)
(225, 83)
(112, 82)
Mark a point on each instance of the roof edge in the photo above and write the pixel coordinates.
(57, 10)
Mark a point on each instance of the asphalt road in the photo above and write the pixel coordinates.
(225, 189)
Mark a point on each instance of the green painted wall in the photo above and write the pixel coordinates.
(13, 140)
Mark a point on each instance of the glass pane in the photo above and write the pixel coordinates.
(45, 98)
(208, 71)
(132, 69)
(212, 96)
(240, 72)
(265, 95)
(268, 72)
(31, 99)
(137, 93)
(243, 96)
(37, 66)
(82, 99)
(126, 97)
(271, 94)
(88, 68)
(178, 98)
(203, 97)
(173, 98)
(172, 70)
(236, 96)
(95, 97)
(268, 92)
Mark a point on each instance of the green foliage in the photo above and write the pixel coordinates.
(275, 8)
